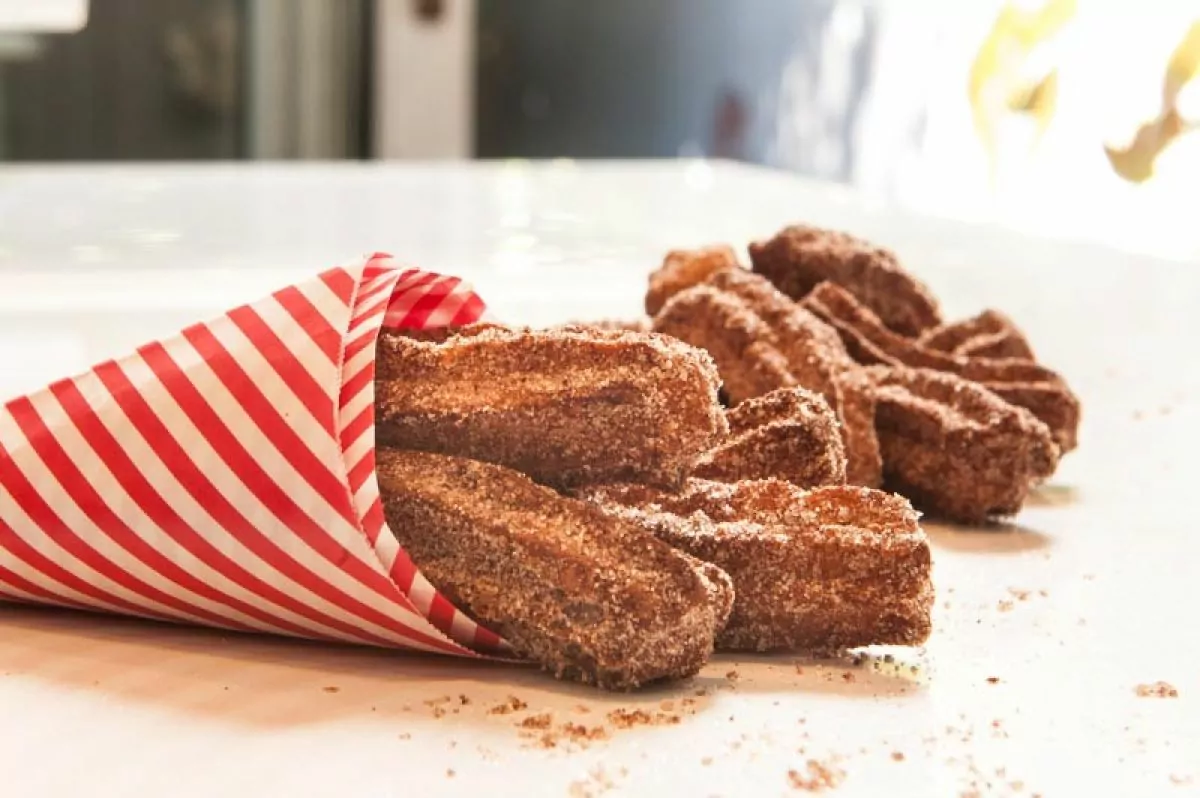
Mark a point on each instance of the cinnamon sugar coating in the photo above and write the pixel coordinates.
(990, 334)
(800, 257)
(740, 343)
(566, 406)
(1022, 382)
(683, 268)
(590, 597)
(823, 570)
(762, 341)
(954, 448)
(789, 434)
(609, 325)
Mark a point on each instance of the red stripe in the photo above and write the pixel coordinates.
(314, 396)
(471, 310)
(359, 382)
(441, 612)
(261, 484)
(73, 483)
(423, 308)
(15, 580)
(357, 427)
(379, 286)
(378, 263)
(159, 512)
(311, 320)
(369, 314)
(404, 571)
(486, 640)
(263, 412)
(373, 523)
(412, 279)
(19, 548)
(340, 282)
(183, 469)
(361, 471)
(356, 346)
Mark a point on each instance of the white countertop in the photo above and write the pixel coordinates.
(1087, 594)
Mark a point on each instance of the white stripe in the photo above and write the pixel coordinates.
(355, 365)
(191, 512)
(278, 393)
(377, 303)
(323, 445)
(359, 448)
(14, 595)
(463, 628)
(232, 489)
(421, 593)
(405, 297)
(387, 547)
(327, 304)
(28, 463)
(117, 500)
(447, 310)
(36, 577)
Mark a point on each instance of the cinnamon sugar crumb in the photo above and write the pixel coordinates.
(628, 718)
(817, 777)
(539, 721)
(706, 761)
(1020, 595)
(577, 732)
(1157, 690)
(405, 736)
(450, 773)
(733, 676)
(509, 705)
(1004, 605)
(993, 680)
(847, 677)
(897, 756)
(331, 689)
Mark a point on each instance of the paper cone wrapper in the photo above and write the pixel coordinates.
(226, 476)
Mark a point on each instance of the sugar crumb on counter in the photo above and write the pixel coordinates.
(331, 689)
(540, 721)
(597, 782)
(816, 777)
(1157, 690)
(628, 718)
(508, 706)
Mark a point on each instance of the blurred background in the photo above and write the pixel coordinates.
(1068, 118)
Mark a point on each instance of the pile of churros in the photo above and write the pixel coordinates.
(620, 500)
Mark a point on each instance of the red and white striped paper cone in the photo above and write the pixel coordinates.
(226, 476)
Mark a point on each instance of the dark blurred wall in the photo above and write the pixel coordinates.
(143, 80)
(771, 81)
